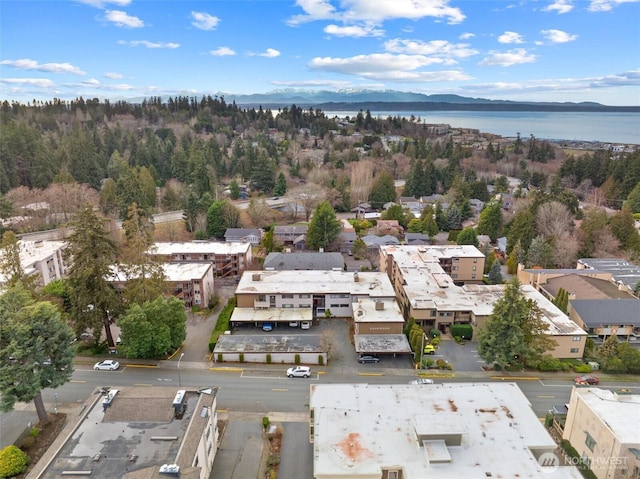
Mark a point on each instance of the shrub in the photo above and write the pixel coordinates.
(220, 358)
(464, 331)
(12, 461)
(297, 359)
(435, 341)
(577, 460)
(320, 359)
(273, 460)
(265, 422)
(268, 358)
(582, 368)
(222, 323)
(27, 442)
(435, 333)
(241, 357)
(213, 340)
(549, 363)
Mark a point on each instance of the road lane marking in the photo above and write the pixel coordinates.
(77, 381)
(150, 366)
(279, 389)
(515, 378)
(143, 384)
(547, 397)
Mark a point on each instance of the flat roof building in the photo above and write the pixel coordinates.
(228, 259)
(604, 428)
(437, 431)
(44, 259)
(137, 432)
(303, 261)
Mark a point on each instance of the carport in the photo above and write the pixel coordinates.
(387, 344)
(275, 316)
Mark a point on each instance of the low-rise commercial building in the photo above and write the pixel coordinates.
(435, 431)
(603, 427)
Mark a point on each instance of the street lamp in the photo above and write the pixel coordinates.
(179, 380)
(55, 398)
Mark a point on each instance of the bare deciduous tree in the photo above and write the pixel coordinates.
(259, 213)
(565, 250)
(553, 219)
(309, 195)
(361, 181)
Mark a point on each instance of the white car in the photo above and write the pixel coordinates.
(106, 365)
(294, 324)
(422, 381)
(299, 372)
(305, 324)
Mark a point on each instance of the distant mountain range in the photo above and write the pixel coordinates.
(392, 100)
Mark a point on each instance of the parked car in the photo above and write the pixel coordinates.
(267, 327)
(587, 380)
(422, 381)
(305, 324)
(299, 372)
(294, 324)
(106, 365)
(368, 358)
(429, 349)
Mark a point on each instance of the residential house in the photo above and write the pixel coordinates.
(602, 318)
(291, 236)
(416, 239)
(243, 235)
(179, 437)
(346, 240)
(228, 259)
(373, 242)
(602, 426)
(439, 431)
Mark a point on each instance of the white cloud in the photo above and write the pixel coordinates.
(558, 36)
(39, 82)
(439, 48)
(510, 37)
(204, 21)
(606, 5)
(148, 44)
(376, 11)
(113, 75)
(269, 53)
(91, 82)
(27, 64)
(222, 52)
(386, 66)
(560, 6)
(353, 31)
(102, 3)
(506, 59)
(122, 19)
(467, 35)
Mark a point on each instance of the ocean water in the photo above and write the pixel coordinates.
(619, 128)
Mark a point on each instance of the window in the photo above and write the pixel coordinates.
(304, 296)
(433, 313)
(455, 268)
(305, 305)
(455, 260)
(590, 442)
(288, 306)
(473, 269)
(473, 276)
(475, 260)
(261, 297)
(334, 296)
(577, 338)
(392, 475)
(574, 350)
(287, 296)
(454, 275)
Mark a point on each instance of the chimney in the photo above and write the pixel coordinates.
(356, 278)
(379, 305)
(256, 277)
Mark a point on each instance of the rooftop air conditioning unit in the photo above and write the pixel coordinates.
(255, 277)
(379, 305)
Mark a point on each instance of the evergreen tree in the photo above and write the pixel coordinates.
(383, 190)
(562, 300)
(454, 218)
(234, 190)
(216, 225)
(36, 350)
(281, 185)
(324, 227)
(467, 236)
(490, 222)
(11, 266)
(495, 274)
(515, 332)
(92, 254)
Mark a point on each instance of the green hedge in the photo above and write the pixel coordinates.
(584, 469)
(464, 331)
(222, 324)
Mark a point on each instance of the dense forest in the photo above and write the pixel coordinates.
(185, 153)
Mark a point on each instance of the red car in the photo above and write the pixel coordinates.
(586, 380)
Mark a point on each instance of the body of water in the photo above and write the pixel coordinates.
(619, 128)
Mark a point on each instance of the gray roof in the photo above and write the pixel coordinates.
(290, 230)
(411, 237)
(380, 240)
(621, 270)
(348, 236)
(242, 232)
(303, 261)
(596, 312)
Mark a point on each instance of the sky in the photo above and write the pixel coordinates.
(521, 50)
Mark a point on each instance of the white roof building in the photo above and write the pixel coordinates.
(43, 258)
(470, 430)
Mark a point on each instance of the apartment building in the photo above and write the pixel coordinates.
(228, 259)
(427, 293)
(437, 431)
(603, 427)
(193, 283)
(334, 291)
(44, 259)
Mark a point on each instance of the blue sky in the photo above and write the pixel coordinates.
(533, 50)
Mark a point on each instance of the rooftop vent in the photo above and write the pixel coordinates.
(170, 469)
(256, 277)
(379, 305)
(356, 278)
